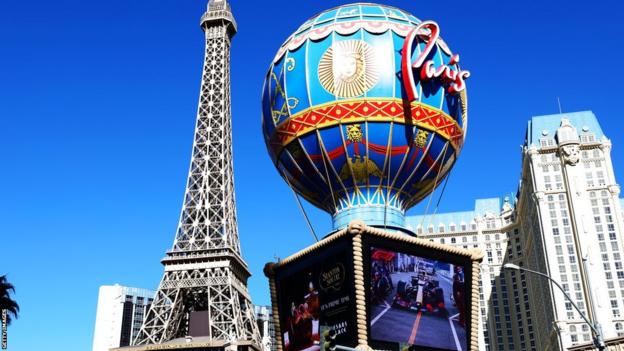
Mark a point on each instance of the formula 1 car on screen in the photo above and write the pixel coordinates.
(421, 294)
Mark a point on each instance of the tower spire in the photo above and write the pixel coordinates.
(204, 288)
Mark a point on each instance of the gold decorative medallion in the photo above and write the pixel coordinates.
(354, 133)
(421, 138)
(348, 68)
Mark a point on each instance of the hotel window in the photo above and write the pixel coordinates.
(600, 178)
(452, 227)
(463, 227)
(430, 229)
(547, 183)
(441, 228)
(590, 179)
(587, 138)
(558, 181)
(473, 226)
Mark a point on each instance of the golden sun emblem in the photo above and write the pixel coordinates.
(348, 68)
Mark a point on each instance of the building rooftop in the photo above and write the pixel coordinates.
(481, 208)
(130, 290)
(546, 126)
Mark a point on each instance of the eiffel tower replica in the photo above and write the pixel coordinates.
(202, 299)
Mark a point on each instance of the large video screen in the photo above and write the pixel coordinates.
(315, 296)
(417, 302)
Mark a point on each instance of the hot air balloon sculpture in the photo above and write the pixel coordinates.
(364, 112)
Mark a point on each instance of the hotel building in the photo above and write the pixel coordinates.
(120, 313)
(566, 221)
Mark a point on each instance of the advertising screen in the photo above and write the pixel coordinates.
(417, 302)
(315, 295)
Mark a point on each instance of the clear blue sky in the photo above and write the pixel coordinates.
(97, 111)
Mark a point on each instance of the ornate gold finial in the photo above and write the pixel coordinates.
(421, 138)
(354, 133)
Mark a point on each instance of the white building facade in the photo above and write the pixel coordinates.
(120, 313)
(566, 220)
(266, 326)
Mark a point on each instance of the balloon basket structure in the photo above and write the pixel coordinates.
(366, 288)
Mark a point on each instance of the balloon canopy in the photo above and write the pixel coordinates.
(364, 112)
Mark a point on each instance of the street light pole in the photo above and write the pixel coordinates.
(595, 327)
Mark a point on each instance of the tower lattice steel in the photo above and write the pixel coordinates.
(205, 281)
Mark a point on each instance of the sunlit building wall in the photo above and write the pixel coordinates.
(266, 326)
(565, 220)
(120, 312)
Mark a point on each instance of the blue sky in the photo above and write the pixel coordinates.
(97, 111)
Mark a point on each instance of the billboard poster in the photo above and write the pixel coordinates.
(315, 295)
(417, 302)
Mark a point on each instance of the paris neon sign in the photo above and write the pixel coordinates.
(451, 76)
